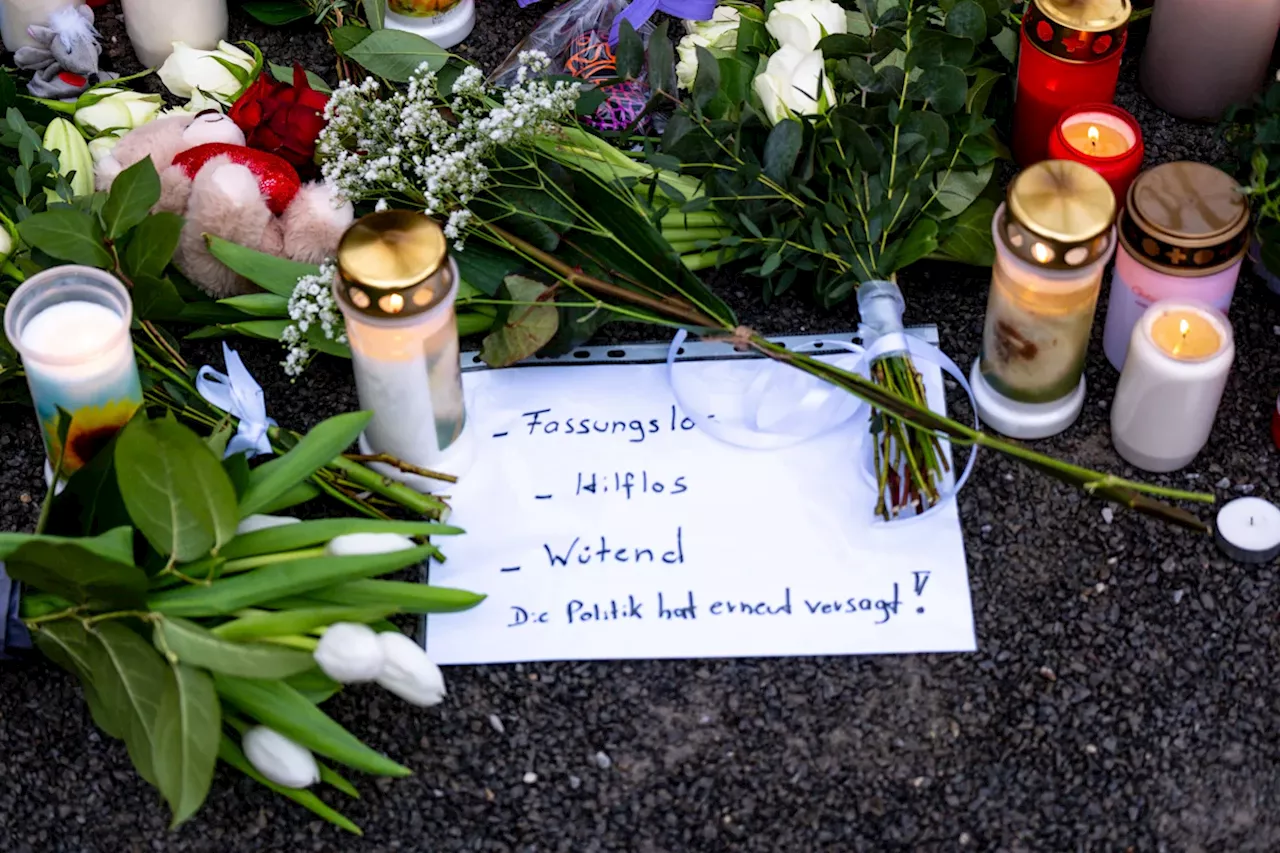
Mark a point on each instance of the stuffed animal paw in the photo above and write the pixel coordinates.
(223, 188)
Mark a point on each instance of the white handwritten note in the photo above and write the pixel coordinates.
(603, 524)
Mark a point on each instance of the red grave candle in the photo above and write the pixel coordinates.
(1070, 55)
(1105, 138)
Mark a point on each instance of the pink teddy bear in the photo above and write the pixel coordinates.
(223, 188)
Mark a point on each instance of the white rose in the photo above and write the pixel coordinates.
(280, 759)
(121, 110)
(100, 148)
(803, 23)
(794, 84)
(719, 33)
(188, 69)
(687, 51)
(199, 103)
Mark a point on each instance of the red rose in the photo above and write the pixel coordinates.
(282, 119)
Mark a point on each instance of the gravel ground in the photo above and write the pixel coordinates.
(1123, 695)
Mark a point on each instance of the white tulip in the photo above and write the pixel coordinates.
(408, 672)
(719, 33)
(188, 69)
(261, 522)
(803, 23)
(350, 652)
(367, 543)
(121, 110)
(794, 84)
(279, 759)
(6, 243)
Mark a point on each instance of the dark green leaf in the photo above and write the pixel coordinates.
(527, 327)
(67, 643)
(484, 267)
(194, 646)
(348, 36)
(968, 20)
(844, 46)
(935, 47)
(920, 241)
(970, 239)
(282, 708)
(188, 728)
(277, 13)
(629, 53)
(782, 148)
(375, 12)
(131, 679)
(943, 87)
(174, 488)
(396, 54)
(403, 596)
(152, 243)
(284, 74)
(662, 61)
(316, 449)
(67, 235)
(706, 82)
(984, 82)
(156, 298)
(79, 573)
(277, 275)
(133, 193)
(958, 189)
(231, 754)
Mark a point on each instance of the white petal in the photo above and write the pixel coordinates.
(280, 759)
(350, 652)
(368, 543)
(262, 522)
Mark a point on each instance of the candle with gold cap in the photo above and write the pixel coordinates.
(1180, 353)
(396, 286)
(1053, 237)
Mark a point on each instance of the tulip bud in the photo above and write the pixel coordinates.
(279, 759)
(350, 652)
(367, 543)
(408, 672)
(261, 522)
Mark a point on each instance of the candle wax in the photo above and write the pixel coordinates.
(71, 330)
(1251, 526)
(1185, 335)
(1096, 140)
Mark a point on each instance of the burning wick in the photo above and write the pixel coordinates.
(1183, 328)
(1093, 137)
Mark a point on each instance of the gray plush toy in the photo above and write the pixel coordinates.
(65, 57)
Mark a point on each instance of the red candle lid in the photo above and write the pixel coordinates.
(1078, 30)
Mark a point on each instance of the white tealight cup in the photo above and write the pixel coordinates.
(1248, 530)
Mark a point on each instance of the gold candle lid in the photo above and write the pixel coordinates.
(1059, 215)
(1078, 30)
(393, 264)
(1186, 219)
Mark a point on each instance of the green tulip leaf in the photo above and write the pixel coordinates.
(230, 753)
(194, 646)
(291, 537)
(314, 450)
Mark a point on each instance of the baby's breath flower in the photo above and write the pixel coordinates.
(311, 303)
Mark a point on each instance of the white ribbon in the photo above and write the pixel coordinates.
(239, 394)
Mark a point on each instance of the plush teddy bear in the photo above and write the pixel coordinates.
(249, 197)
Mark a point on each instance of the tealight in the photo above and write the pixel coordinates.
(1105, 138)
(1248, 530)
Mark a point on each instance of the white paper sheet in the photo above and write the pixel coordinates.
(686, 547)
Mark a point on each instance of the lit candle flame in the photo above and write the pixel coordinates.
(1042, 253)
(1183, 328)
(1093, 136)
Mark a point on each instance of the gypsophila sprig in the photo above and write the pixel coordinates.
(430, 152)
(311, 305)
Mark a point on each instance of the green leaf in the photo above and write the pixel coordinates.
(131, 678)
(405, 596)
(194, 646)
(188, 728)
(231, 754)
(284, 74)
(67, 643)
(984, 82)
(68, 235)
(295, 621)
(282, 708)
(967, 19)
(396, 54)
(152, 243)
(277, 275)
(970, 239)
(279, 580)
(156, 298)
(334, 779)
(291, 537)
(527, 328)
(782, 148)
(944, 87)
(133, 193)
(277, 13)
(920, 241)
(174, 488)
(75, 572)
(958, 189)
(706, 82)
(629, 53)
(348, 36)
(299, 494)
(316, 449)
(844, 46)
(259, 304)
(661, 61)
(314, 685)
(375, 12)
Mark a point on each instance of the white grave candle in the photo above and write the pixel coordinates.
(1248, 530)
(1180, 353)
(70, 324)
(154, 25)
(17, 15)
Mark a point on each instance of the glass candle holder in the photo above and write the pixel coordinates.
(445, 22)
(70, 325)
(1180, 353)
(154, 25)
(17, 15)
(1105, 138)
(1053, 237)
(396, 287)
(1202, 57)
(1069, 55)
(1183, 234)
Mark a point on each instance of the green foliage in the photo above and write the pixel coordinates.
(395, 54)
(530, 321)
(1253, 131)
